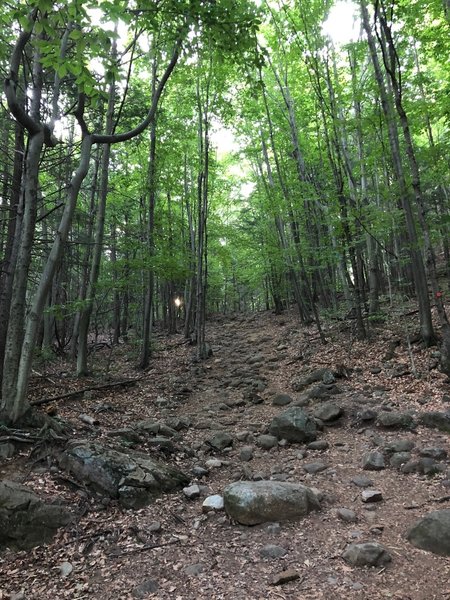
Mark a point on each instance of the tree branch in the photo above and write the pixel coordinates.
(11, 81)
(128, 135)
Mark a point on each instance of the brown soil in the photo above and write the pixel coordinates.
(113, 551)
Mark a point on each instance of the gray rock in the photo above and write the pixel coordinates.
(254, 502)
(434, 452)
(246, 453)
(133, 478)
(281, 400)
(398, 459)
(178, 423)
(323, 391)
(328, 377)
(213, 463)
(213, 503)
(318, 445)
(294, 425)
(194, 570)
(199, 471)
(401, 445)
(396, 420)
(272, 551)
(346, 515)
(368, 554)
(436, 420)
(126, 433)
(328, 412)
(424, 466)
(220, 440)
(146, 587)
(266, 441)
(367, 414)
(373, 461)
(192, 492)
(362, 481)
(273, 528)
(65, 569)
(300, 383)
(432, 533)
(26, 520)
(148, 426)
(371, 496)
(315, 467)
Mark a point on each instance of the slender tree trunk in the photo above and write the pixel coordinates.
(8, 264)
(86, 312)
(420, 279)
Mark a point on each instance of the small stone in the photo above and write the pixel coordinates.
(213, 503)
(220, 440)
(346, 515)
(146, 587)
(273, 528)
(266, 441)
(376, 529)
(194, 570)
(199, 471)
(318, 445)
(328, 377)
(246, 453)
(154, 527)
(362, 481)
(272, 551)
(314, 468)
(285, 577)
(370, 554)
(371, 496)
(328, 412)
(373, 461)
(398, 459)
(281, 400)
(368, 414)
(65, 569)
(18, 596)
(213, 463)
(191, 492)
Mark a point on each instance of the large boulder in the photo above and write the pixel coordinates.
(132, 477)
(254, 502)
(26, 520)
(432, 532)
(294, 425)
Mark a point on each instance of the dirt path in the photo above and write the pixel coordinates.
(172, 550)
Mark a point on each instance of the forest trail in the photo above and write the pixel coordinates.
(172, 549)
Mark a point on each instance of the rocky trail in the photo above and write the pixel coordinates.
(325, 456)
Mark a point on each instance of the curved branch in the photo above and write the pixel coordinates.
(11, 81)
(128, 135)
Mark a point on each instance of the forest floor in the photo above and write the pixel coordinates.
(171, 549)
